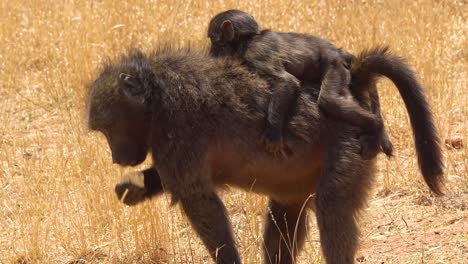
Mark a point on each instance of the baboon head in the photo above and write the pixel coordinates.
(229, 28)
(119, 108)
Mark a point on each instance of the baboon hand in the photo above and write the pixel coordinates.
(131, 188)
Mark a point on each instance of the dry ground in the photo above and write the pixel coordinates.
(56, 180)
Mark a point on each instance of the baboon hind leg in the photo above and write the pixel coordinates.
(342, 191)
(208, 217)
(285, 231)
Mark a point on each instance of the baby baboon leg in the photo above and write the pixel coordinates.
(333, 102)
(209, 218)
(370, 144)
(386, 145)
(371, 140)
(385, 142)
(283, 225)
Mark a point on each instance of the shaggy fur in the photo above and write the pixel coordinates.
(201, 118)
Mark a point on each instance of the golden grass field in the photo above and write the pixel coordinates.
(57, 203)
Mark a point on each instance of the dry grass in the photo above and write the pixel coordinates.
(56, 182)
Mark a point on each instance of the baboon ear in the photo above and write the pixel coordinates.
(228, 30)
(132, 87)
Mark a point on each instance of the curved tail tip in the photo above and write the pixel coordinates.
(435, 181)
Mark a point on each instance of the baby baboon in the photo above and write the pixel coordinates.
(287, 57)
(200, 117)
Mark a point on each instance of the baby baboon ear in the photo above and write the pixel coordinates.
(228, 30)
(132, 87)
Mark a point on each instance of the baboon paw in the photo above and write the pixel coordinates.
(131, 188)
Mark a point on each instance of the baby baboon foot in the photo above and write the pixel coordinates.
(277, 149)
(131, 188)
(387, 148)
(273, 141)
(370, 146)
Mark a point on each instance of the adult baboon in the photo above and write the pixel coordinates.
(201, 117)
(288, 58)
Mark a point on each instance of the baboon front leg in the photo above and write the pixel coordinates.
(285, 231)
(208, 217)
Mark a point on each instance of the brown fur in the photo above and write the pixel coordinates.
(200, 118)
(287, 57)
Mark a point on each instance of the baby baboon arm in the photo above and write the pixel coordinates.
(137, 186)
(285, 90)
(348, 110)
(281, 102)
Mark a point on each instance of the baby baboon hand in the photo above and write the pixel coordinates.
(131, 188)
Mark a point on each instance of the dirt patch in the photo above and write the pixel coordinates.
(399, 228)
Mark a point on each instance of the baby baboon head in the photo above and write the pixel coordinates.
(228, 29)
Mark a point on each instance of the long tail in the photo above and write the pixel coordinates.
(373, 63)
